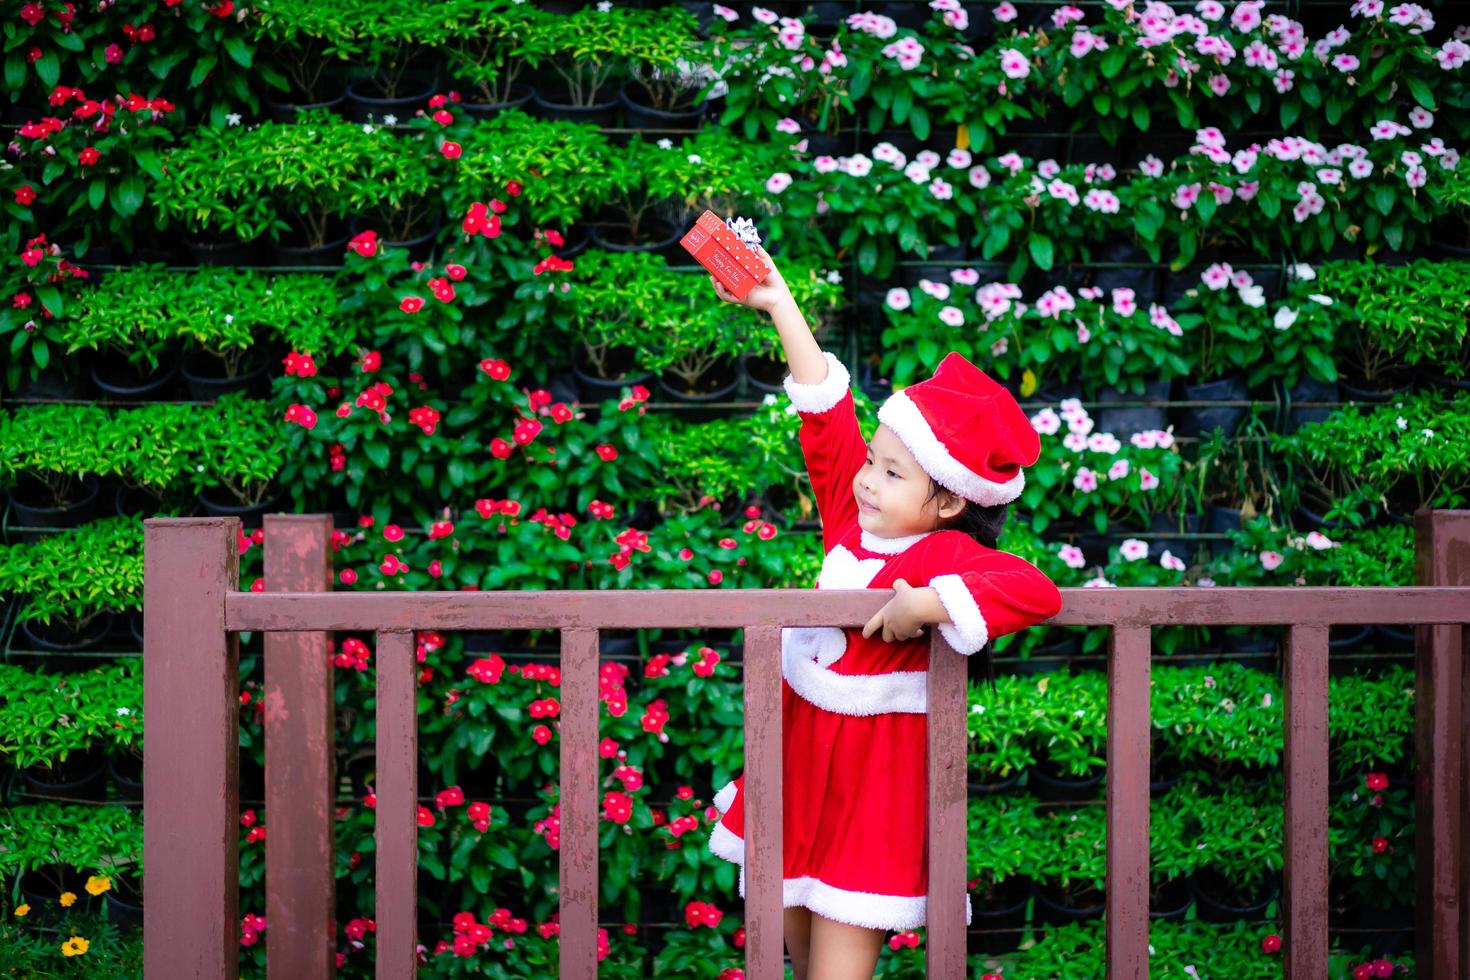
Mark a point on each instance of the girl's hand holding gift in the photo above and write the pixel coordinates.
(770, 293)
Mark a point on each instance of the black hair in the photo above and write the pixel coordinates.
(984, 524)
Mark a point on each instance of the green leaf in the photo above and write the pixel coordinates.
(96, 192)
(1420, 90)
(1041, 249)
(128, 195)
(1140, 116)
(238, 50)
(377, 453)
(48, 68)
(203, 67)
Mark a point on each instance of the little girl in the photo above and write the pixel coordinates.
(918, 510)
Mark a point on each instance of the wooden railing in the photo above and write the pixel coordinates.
(192, 611)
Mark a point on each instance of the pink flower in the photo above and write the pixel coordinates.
(1271, 560)
(778, 182)
(1085, 480)
(1014, 63)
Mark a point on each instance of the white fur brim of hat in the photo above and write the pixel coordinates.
(903, 417)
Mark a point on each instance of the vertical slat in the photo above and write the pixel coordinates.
(764, 834)
(1306, 705)
(191, 842)
(300, 873)
(396, 832)
(946, 755)
(1442, 923)
(1128, 801)
(1304, 906)
(579, 804)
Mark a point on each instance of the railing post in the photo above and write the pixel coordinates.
(1442, 929)
(396, 830)
(577, 868)
(764, 829)
(1304, 907)
(191, 842)
(1128, 802)
(300, 866)
(948, 786)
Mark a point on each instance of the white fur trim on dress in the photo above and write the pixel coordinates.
(966, 631)
(723, 843)
(891, 546)
(726, 796)
(803, 652)
(901, 415)
(841, 569)
(823, 396)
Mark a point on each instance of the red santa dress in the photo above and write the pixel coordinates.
(853, 708)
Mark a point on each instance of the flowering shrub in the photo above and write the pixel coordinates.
(1059, 336)
(77, 574)
(41, 285)
(1274, 556)
(1393, 316)
(45, 717)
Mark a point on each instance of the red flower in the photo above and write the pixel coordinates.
(411, 304)
(478, 221)
(88, 156)
(513, 188)
(698, 914)
(393, 532)
(497, 369)
(1377, 781)
(451, 150)
(364, 244)
(607, 748)
(526, 432)
(1380, 844)
(1271, 944)
(500, 449)
(348, 577)
(425, 418)
(487, 670)
(554, 237)
(617, 807)
(716, 577)
(426, 817)
(372, 360)
(299, 365)
(541, 734)
(453, 796)
(456, 271)
(608, 453)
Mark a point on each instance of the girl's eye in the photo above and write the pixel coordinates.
(891, 473)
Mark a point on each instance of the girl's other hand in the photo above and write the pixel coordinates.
(765, 295)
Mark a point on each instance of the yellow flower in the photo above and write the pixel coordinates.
(67, 898)
(22, 910)
(75, 946)
(96, 885)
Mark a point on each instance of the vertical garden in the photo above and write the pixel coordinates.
(418, 266)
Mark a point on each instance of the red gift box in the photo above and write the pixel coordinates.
(735, 264)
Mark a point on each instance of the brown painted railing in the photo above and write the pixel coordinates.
(192, 611)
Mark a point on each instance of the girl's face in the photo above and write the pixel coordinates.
(891, 491)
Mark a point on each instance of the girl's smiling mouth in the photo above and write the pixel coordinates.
(864, 505)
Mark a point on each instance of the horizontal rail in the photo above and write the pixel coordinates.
(734, 608)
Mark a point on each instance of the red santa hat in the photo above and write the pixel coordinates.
(966, 431)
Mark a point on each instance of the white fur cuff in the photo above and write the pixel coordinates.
(825, 394)
(966, 631)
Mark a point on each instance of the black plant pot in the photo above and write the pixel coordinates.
(330, 253)
(1047, 785)
(126, 773)
(286, 112)
(1218, 901)
(717, 383)
(248, 513)
(1143, 278)
(222, 252)
(419, 246)
(30, 512)
(1056, 908)
(603, 110)
(637, 115)
(120, 382)
(1202, 419)
(594, 389)
(1398, 639)
(206, 386)
(134, 502)
(1341, 639)
(520, 94)
(1309, 389)
(135, 626)
(1309, 520)
(1056, 391)
(124, 914)
(1000, 917)
(658, 236)
(1170, 899)
(40, 892)
(1221, 520)
(1124, 422)
(363, 105)
(56, 383)
(60, 640)
(983, 784)
(1449, 384)
(77, 778)
(1371, 395)
(766, 374)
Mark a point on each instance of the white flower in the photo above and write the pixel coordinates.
(665, 144)
(1284, 318)
(124, 712)
(1171, 562)
(229, 318)
(232, 119)
(898, 298)
(1304, 272)
(1046, 422)
(1320, 541)
(1319, 298)
(1072, 555)
(952, 316)
(390, 120)
(1133, 549)
(770, 399)
(604, 6)
(695, 158)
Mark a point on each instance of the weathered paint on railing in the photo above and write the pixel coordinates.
(191, 836)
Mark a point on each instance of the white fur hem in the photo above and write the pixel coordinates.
(725, 796)
(901, 415)
(803, 651)
(966, 631)
(868, 910)
(823, 396)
